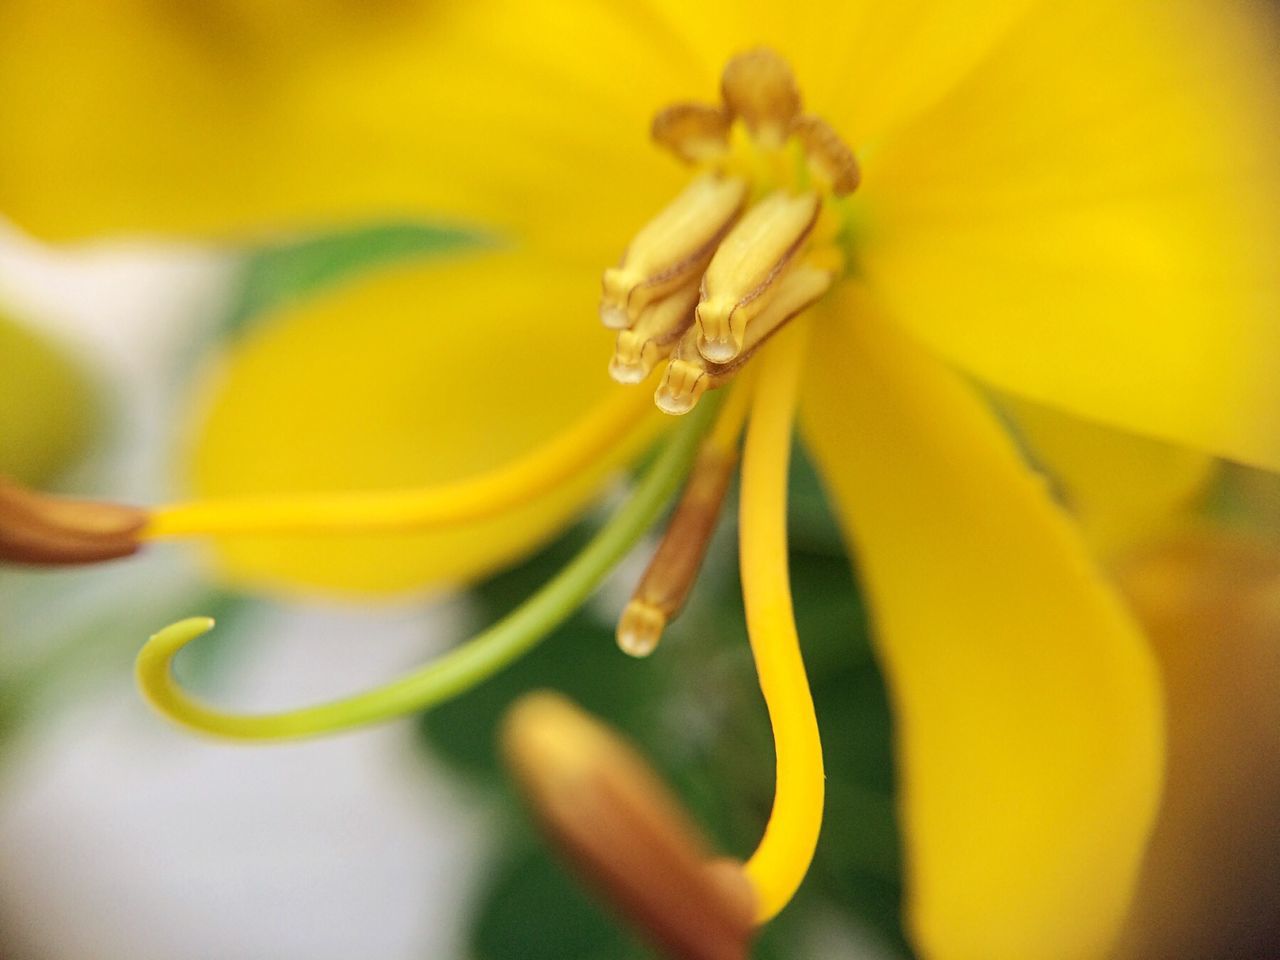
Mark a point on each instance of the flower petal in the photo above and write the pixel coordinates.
(1027, 703)
(414, 375)
(1122, 488)
(218, 119)
(1092, 220)
(866, 65)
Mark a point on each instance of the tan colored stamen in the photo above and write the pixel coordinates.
(624, 833)
(654, 336)
(768, 198)
(665, 586)
(745, 269)
(694, 132)
(39, 529)
(759, 87)
(690, 374)
(673, 249)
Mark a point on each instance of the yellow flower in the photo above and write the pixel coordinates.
(1071, 202)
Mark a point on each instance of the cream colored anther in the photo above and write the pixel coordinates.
(673, 248)
(689, 374)
(653, 337)
(747, 267)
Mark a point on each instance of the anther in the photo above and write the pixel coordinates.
(746, 267)
(830, 159)
(759, 87)
(620, 828)
(694, 132)
(39, 529)
(672, 249)
(689, 374)
(685, 380)
(655, 334)
(665, 586)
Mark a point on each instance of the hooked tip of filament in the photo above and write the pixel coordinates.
(640, 628)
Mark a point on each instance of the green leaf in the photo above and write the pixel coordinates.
(275, 276)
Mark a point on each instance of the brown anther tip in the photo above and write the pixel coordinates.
(40, 529)
(828, 153)
(619, 827)
(694, 132)
(759, 87)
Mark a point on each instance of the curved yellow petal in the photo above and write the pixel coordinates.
(415, 375)
(1092, 220)
(226, 118)
(1124, 489)
(1027, 705)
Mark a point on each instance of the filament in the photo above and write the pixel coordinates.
(414, 508)
(460, 669)
(669, 578)
(786, 850)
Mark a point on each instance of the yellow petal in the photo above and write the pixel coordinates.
(1092, 220)
(1122, 488)
(215, 119)
(866, 65)
(1027, 704)
(415, 375)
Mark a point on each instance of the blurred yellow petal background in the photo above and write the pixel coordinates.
(1092, 220)
(223, 120)
(1122, 488)
(416, 374)
(1027, 703)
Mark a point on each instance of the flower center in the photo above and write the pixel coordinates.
(750, 243)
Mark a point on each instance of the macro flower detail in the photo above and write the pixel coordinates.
(1072, 203)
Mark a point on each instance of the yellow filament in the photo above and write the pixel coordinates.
(462, 501)
(782, 859)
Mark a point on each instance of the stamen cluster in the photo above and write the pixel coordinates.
(749, 244)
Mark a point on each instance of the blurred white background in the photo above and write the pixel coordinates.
(122, 838)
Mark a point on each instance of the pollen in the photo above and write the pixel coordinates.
(752, 242)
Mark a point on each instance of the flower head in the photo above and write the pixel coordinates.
(1070, 202)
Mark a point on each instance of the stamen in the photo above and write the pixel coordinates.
(426, 507)
(39, 529)
(461, 668)
(654, 336)
(673, 248)
(694, 132)
(618, 825)
(689, 375)
(746, 267)
(759, 87)
(783, 857)
(830, 159)
(667, 581)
